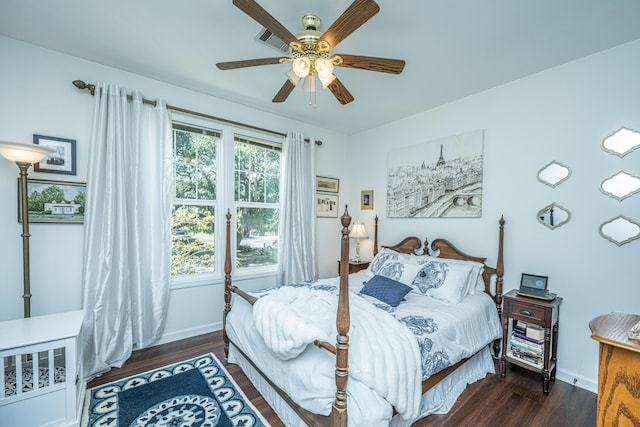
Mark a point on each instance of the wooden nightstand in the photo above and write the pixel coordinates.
(534, 312)
(355, 266)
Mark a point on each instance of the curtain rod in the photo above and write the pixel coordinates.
(92, 89)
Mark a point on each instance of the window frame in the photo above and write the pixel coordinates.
(225, 200)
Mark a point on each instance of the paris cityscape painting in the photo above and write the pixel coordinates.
(437, 179)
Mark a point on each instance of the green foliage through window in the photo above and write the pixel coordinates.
(256, 194)
(193, 248)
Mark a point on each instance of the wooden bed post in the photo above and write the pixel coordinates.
(339, 409)
(375, 238)
(500, 266)
(499, 274)
(227, 286)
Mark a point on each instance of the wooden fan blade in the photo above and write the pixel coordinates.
(262, 17)
(383, 65)
(351, 19)
(284, 92)
(247, 63)
(340, 92)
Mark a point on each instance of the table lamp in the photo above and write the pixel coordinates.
(358, 231)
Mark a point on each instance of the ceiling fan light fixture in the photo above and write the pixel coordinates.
(293, 77)
(309, 49)
(309, 84)
(301, 66)
(326, 81)
(324, 68)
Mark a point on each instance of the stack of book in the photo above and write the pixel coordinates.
(527, 347)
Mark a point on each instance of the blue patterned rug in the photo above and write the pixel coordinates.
(193, 393)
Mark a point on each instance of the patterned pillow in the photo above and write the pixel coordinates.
(394, 265)
(386, 290)
(443, 280)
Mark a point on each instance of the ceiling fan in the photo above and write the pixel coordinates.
(311, 50)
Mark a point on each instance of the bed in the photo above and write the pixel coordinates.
(41, 370)
(391, 356)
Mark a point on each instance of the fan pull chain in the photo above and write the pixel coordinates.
(313, 103)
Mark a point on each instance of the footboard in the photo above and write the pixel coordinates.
(41, 370)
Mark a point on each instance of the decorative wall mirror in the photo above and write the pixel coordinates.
(620, 185)
(554, 174)
(621, 142)
(620, 230)
(553, 216)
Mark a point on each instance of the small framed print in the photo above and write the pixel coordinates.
(63, 160)
(327, 205)
(327, 185)
(366, 199)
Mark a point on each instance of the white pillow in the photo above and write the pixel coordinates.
(394, 265)
(476, 282)
(447, 279)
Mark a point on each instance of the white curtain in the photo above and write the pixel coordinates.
(127, 242)
(297, 240)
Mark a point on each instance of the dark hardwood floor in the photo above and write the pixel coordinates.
(516, 400)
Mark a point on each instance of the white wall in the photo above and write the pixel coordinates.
(560, 114)
(38, 97)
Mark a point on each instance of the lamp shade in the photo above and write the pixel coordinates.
(324, 68)
(301, 66)
(24, 153)
(293, 77)
(358, 231)
(327, 80)
(309, 84)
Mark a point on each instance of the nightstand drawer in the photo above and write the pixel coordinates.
(527, 312)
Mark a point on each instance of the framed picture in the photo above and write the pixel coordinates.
(366, 200)
(63, 160)
(450, 172)
(327, 206)
(54, 201)
(327, 185)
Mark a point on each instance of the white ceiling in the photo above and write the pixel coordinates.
(452, 48)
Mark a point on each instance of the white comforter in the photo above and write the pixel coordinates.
(383, 353)
(455, 332)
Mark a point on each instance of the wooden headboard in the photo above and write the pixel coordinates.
(445, 249)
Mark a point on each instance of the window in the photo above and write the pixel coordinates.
(215, 170)
(194, 204)
(257, 196)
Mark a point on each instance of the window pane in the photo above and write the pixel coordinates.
(192, 240)
(185, 181)
(195, 162)
(256, 187)
(257, 171)
(242, 186)
(272, 189)
(257, 237)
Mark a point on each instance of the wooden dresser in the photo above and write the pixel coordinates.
(618, 370)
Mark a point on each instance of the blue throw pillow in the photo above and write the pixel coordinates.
(386, 290)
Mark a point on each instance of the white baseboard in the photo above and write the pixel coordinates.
(578, 380)
(188, 333)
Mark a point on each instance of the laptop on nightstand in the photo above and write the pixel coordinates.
(535, 286)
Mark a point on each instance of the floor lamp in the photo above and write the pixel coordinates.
(24, 156)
